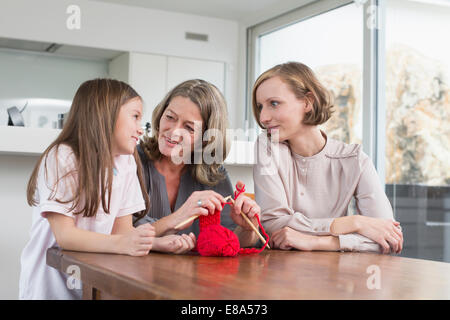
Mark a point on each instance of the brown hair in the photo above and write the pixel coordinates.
(303, 82)
(213, 111)
(89, 131)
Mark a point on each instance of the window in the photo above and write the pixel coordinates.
(390, 77)
(331, 45)
(418, 124)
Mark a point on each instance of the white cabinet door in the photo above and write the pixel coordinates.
(181, 69)
(148, 76)
(152, 76)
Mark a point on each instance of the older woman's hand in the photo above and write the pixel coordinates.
(175, 243)
(199, 203)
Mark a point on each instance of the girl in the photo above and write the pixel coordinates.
(304, 181)
(85, 187)
(181, 189)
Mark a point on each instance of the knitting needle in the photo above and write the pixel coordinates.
(186, 221)
(250, 224)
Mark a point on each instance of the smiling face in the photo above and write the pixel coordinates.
(179, 127)
(280, 111)
(128, 127)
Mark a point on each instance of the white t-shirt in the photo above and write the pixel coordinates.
(37, 279)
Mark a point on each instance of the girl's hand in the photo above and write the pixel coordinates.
(387, 233)
(174, 243)
(210, 201)
(138, 241)
(287, 239)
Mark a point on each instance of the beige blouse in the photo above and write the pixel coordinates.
(308, 193)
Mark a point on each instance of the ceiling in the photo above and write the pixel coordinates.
(225, 9)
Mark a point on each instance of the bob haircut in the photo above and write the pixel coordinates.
(304, 84)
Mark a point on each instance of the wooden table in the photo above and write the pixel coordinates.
(272, 274)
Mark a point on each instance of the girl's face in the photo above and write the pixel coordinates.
(128, 127)
(179, 127)
(281, 112)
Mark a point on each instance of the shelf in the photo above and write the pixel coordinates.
(25, 141)
(241, 154)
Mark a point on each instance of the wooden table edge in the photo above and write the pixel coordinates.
(57, 259)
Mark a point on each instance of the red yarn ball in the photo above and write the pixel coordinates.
(217, 241)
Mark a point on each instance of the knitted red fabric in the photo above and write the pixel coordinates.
(218, 241)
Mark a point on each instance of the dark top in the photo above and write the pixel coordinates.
(159, 201)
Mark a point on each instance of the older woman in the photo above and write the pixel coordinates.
(306, 180)
(183, 171)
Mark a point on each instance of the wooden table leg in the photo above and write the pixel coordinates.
(88, 292)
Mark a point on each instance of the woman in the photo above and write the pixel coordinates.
(180, 182)
(304, 181)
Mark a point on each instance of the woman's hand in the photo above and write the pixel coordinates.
(386, 232)
(174, 243)
(210, 201)
(248, 206)
(287, 239)
(138, 241)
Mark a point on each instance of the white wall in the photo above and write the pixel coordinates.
(15, 219)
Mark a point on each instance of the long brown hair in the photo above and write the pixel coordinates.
(303, 82)
(213, 110)
(89, 131)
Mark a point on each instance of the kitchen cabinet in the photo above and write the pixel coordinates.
(152, 76)
(26, 141)
(18, 141)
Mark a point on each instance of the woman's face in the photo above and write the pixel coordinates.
(179, 127)
(281, 112)
(128, 127)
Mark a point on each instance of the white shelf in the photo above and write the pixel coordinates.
(241, 154)
(33, 141)
(25, 141)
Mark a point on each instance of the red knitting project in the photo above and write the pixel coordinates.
(214, 240)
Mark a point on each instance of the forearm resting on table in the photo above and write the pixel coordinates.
(165, 226)
(344, 225)
(69, 237)
(326, 243)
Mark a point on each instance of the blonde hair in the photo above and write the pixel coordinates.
(213, 110)
(303, 82)
(88, 132)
